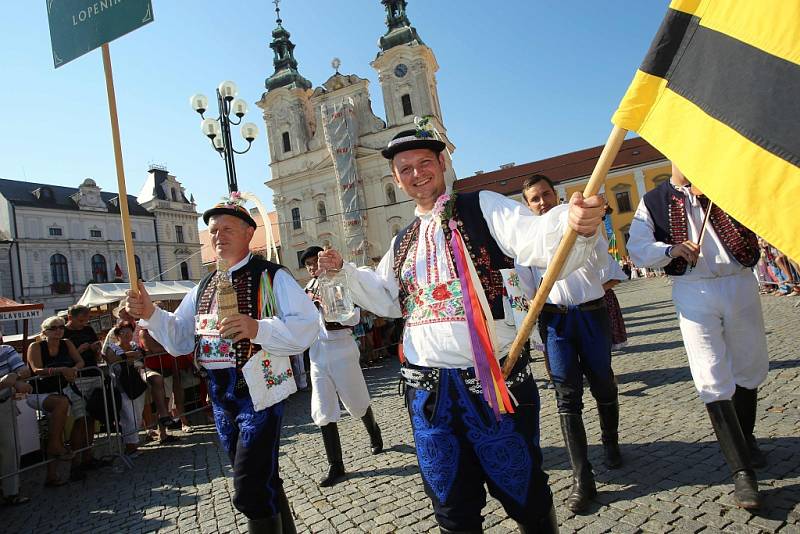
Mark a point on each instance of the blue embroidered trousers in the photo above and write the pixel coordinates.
(578, 343)
(461, 446)
(251, 439)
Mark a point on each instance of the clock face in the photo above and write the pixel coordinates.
(400, 70)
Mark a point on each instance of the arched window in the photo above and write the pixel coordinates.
(174, 195)
(59, 271)
(138, 263)
(661, 178)
(296, 223)
(322, 211)
(99, 270)
(184, 271)
(395, 229)
(405, 100)
(391, 196)
(287, 142)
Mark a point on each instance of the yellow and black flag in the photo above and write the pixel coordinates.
(719, 94)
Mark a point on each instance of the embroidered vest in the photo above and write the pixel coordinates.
(245, 283)
(667, 208)
(483, 250)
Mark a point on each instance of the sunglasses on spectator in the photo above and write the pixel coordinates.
(59, 327)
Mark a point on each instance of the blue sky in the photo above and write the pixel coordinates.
(519, 80)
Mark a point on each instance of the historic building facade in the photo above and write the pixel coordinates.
(307, 193)
(638, 168)
(56, 240)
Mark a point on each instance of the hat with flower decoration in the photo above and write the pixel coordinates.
(423, 136)
(232, 205)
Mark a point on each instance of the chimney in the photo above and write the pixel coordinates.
(507, 165)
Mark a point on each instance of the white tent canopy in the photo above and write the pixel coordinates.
(99, 294)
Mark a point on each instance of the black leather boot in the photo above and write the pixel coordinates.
(268, 525)
(547, 525)
(745, 401)
(583, 488)
(448, 531)
(333, 450)
(734, 449)
(287, 518)
(375, 438)
(609, 424)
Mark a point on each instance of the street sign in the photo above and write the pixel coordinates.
(80, 26)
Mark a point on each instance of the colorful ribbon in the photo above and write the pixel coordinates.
(487, 369)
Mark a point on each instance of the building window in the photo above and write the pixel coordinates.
(174, 195)
(296, 223)
(99, 270)
(322, 211)
(55, 231)
(138, 263)
(623, 201)
(184, 271)
(133, 235)
(179, 235)
(391, 196)
(59, 273)
(405, 100)
(300, 264)
(95, 233)
(660, 179)
(287, 142)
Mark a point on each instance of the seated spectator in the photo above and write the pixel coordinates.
(122, 354)
(84, 338)
(159, 367)
(56, 361)
(13, 373)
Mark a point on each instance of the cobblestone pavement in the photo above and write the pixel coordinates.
(674, 478)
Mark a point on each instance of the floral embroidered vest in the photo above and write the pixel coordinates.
(245, 282)
(483, 250)
(667, 208)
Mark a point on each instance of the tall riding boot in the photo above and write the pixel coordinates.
(583, 488)
(267, 525)
(287, 519)
(546, 525)
(745, 401)
(375, 438)
(734, 449)
(333, 450)
(609, 424)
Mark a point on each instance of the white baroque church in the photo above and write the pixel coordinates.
(307, 191)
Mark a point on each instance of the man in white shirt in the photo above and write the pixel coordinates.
(274, 315)
(719, 312)
(442, 275)
(575, 329)
(336, 373)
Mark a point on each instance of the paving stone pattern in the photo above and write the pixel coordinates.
(674, 478)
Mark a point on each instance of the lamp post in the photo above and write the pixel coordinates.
(218, 130)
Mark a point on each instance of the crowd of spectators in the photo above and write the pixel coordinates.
(64, 376)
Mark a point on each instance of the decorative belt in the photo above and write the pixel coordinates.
(592, 305)
(428, 378)
(330, 327)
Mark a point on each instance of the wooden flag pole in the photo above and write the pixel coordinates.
(705, 223)
(123, 193)
(562, 253)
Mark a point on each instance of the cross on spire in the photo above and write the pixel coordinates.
(278, 10)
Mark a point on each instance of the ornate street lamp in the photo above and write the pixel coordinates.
(218, 130)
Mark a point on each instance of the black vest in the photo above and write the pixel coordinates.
(484, 251)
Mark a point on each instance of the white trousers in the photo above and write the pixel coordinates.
(723, 331)
(336, 373)
(130, 417)
(8, 447)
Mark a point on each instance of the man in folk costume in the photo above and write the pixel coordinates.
(243, 323)
(471, 427)
(574, 326)
(719, 312)
(336, 373)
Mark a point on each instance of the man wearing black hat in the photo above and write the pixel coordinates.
(335, 374)
(441, 274)
(245, 354)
